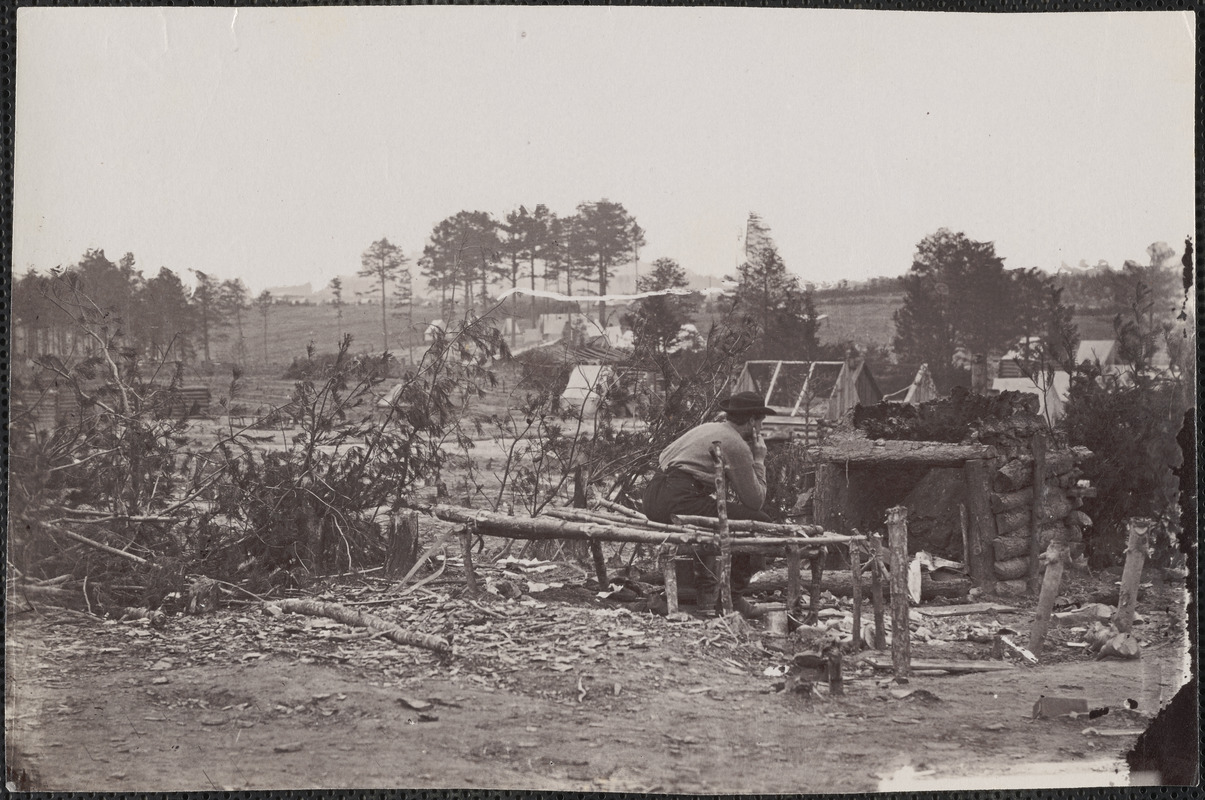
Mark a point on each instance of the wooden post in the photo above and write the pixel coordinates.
(600, 565)
(816, 565)
(876, 590)
(827, 497)
(836, 685)
(579, 501)
(897, 532)
(1050, 591)
(466, 549)
(855, 569)
(725, 536)
(670, 570)
(794, 590)
(982, 529)
(1131, 575)
(966, 535)
(1037, 446)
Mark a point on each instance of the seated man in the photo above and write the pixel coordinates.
(685, 484)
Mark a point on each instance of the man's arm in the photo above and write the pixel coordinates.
(746, 474)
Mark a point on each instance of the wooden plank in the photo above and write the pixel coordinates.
(965, 609)
(881, 662)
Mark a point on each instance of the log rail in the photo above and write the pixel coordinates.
(792, 541)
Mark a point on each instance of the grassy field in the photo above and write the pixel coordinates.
(864, 319)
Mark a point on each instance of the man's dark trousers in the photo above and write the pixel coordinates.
(678, 492)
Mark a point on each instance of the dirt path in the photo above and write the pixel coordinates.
(540, 695)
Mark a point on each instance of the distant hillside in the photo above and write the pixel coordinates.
(859, 317)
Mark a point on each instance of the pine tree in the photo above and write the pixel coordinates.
(383, 262)
(773, 301)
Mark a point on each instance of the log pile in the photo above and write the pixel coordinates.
(1026, 524)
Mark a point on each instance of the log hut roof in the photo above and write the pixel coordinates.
(886, 452)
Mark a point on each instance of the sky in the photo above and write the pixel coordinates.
(276, 144)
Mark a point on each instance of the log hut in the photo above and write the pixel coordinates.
(971, 500)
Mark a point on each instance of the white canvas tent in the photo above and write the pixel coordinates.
(587, 386)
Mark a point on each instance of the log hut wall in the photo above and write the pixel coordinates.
(1019, 516)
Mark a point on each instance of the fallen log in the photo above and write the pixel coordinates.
(57, 595)
(316, 608)
(841, 583)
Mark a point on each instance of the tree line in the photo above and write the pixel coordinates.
(959, 303)
(472, 252)
(158, 317)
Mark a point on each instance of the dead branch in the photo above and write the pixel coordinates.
(347, 616)
(105, 547)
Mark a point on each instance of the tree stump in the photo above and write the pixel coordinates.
(403, 536)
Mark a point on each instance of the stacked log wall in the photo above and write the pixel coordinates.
(1013, 507)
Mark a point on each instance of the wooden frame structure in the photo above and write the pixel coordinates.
(798, 543)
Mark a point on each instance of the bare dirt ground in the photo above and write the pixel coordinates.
(556, 690)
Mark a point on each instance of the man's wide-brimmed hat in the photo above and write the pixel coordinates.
(745, 403)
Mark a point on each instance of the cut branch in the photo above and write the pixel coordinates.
(347, 616)
(105, 547)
